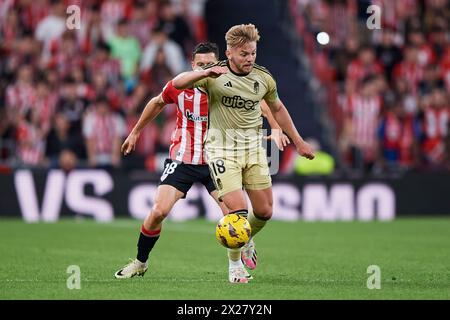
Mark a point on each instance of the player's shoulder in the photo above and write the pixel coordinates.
(222, 63)
(169, 92)
(262, 70)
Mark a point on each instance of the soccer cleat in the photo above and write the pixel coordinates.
(134, 268)
(248, 255)
(247, 275)
(238, 275)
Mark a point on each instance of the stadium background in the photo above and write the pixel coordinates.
(375, 101)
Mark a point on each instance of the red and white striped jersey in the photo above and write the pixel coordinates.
(20, 97)
(103, 130)
(192, 124)
(435, 124)
(364, 113)
(411, 72)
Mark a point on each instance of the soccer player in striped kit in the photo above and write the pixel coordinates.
(186, 163)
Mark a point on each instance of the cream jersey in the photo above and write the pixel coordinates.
(235, 117)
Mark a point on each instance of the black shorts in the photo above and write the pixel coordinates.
(182, 176)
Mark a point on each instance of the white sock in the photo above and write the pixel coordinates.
(235, 264)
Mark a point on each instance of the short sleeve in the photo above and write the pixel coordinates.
(202, 84)
(272, 93)
(169, 93)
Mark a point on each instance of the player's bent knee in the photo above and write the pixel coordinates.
(159, 212)
(264, 213)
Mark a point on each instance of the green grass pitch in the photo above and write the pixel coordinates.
(296, 261)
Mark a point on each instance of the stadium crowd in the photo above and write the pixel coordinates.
(69, 96)
(387, 86)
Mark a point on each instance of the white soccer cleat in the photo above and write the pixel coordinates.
(134, 268)
(248, 255)
(239, 275)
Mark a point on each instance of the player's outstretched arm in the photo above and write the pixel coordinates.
(277, 135)
(187, 79)
(284, 119)
(151, 110)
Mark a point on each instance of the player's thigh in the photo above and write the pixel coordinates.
(256, 174)
(262, 201)
(226, 175)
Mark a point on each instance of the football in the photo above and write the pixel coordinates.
(233, 231)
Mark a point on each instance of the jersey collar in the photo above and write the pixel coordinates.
(236, 74)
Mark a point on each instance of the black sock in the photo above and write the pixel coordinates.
(241, 212)
(147, 240)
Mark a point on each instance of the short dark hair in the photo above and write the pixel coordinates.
(206, 47)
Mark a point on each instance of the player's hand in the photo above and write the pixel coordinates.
(129, 144)
(305, 150)
(216, 71)
(280, 139)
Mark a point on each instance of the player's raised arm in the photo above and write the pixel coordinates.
(151, 110)
(187, 79)
(283, 118)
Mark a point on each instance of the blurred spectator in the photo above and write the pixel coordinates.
(65, 55)
(342, 56)
(166, 48)
(62, 148)
(30, 139)
(114, 11)
(361, 120)
(101, 87)
(398, 133)
(140, 24)
(45, 105)
(435, 119)
(363, 66)
(20, 96)
(103, 131)
(102, 62)
(72, 105)
(91, 31)
(127, 49)
(51, 27)
(176, 27)
(410, 68)
(387, 51)
(431, 79)
(425, 53)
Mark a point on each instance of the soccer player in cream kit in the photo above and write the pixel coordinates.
(186, 164)
(234, 152)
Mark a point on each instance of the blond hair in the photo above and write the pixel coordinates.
(241, 34)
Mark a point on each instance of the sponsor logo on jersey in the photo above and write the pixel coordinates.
(228, 84)
(195, 117)
(239, 102)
